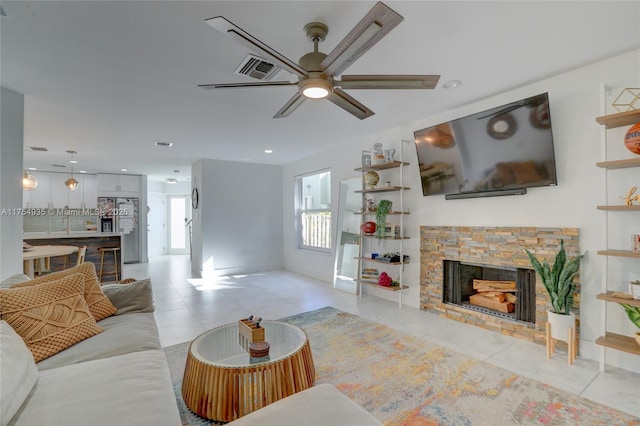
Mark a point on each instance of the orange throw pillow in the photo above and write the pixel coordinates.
(49, 317)
(99, 305)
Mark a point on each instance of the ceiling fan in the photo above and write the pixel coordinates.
(318, 72)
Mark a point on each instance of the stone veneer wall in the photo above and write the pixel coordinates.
(496, 246)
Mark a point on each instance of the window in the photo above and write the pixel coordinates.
(313, 211)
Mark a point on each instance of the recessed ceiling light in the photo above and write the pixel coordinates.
(164, 144)
(73, 161)
(268, 151)
(452, 84)
(123, 170)
(32, 168)
(83, 171)
(171, 181)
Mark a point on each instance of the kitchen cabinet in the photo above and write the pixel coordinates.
(41, 196)
(53, 193)
(59, 196)
(118, 185)
(90, 191)
(86, 196)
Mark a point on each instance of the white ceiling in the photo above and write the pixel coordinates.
(109, 78)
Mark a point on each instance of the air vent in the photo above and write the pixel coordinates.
(59, 165)
(164, 144)
(38, 148)
(257, 68)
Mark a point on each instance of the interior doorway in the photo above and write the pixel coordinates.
(179, 215)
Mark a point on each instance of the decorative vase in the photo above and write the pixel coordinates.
(560, 325)
(368, 228)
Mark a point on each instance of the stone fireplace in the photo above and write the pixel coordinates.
(482, 276)
(508, 293)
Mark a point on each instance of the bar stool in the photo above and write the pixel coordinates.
(82, 253)
(113, 250)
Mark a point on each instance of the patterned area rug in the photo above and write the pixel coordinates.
(404, 380)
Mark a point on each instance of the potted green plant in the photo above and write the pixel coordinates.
(559, 283)
(384, 207)
(633, 312)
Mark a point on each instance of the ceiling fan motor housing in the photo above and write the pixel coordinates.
(311, 62)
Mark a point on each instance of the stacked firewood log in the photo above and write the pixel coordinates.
(498, 295)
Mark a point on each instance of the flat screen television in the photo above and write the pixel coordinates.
(500, 151)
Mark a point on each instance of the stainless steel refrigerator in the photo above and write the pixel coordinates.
(121, 217)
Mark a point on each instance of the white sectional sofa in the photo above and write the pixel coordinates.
(320, 405)
(117, 377)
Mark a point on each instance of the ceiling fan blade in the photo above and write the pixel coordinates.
(256, 84)
(376, 24)
(388, 81)
(291, 105)
(349, 104)
(238, 34)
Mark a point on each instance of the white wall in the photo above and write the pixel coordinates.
(238, 226)
(11, 139)
(574, 102)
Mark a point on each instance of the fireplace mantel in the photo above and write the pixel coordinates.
(497, 246)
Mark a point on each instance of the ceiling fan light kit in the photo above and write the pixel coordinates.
(315, 88)
(318, 72)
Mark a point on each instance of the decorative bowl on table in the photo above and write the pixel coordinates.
(259, 349)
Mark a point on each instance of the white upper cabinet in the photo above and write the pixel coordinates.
(59, 191)
(90, 191)
(41, 196)
(118, 185)
(53, 193)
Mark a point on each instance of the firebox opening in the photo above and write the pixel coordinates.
(508, 293)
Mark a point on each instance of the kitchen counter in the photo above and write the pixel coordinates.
(92, 239)
(62, 234)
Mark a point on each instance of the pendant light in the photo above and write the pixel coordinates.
(29, 181)
(71, 183)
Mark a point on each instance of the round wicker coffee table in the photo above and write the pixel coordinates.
(222, 382)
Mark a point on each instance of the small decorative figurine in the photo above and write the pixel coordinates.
(388, 155)
(370, 206)
(366, 158)
(378, 154)
(630, 198)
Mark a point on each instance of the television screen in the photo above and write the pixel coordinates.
(494, 152)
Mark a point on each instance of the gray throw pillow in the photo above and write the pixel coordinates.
(135, 297)
(14, 279)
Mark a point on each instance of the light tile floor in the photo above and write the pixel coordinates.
(186, 307)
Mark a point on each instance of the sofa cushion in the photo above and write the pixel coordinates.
(136, 296)
(122, 334)
(18, 371)
(99, 305)
(132, 389)
(13, 280)
(49, 317)
(317, 406)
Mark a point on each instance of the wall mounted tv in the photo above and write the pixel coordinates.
(501, 151)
